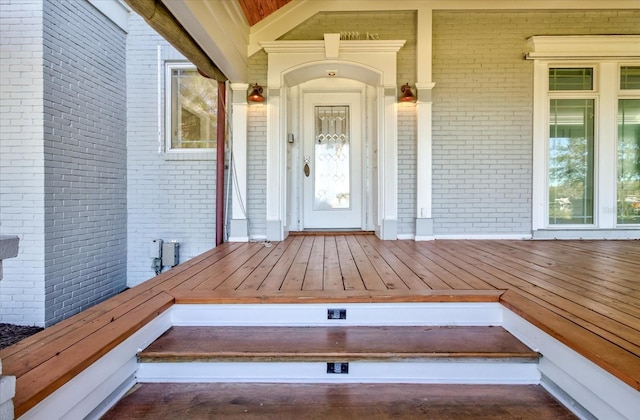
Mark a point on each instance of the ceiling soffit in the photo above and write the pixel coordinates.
(256, 10)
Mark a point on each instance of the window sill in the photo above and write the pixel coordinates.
(588, 233)
(209, 154)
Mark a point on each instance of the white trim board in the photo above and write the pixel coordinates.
(421, 372)
(93, 391)
(584, 385)
(358, 314)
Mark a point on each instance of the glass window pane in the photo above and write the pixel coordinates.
(332, 163)
(571, 79)
(194, 101)
(629, 77)
(571, 159)
(629, 161)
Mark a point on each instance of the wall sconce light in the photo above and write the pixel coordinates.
(407, 94)
(256, 93)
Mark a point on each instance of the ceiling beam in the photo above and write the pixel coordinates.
(222, 31)
(159, 18)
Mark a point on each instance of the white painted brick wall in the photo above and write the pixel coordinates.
(85, 158)
(22, 160)
(167, 199)
(482, 113)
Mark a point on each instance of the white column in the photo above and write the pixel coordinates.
(606, 155)
(239, 227)
(424, 181)
(388, 164)
(276, 163)
(424, 105)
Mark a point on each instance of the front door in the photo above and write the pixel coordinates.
(332, 166)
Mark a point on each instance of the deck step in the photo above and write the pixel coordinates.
(425, 354)
(337, 401)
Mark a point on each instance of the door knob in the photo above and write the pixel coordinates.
(306, 168)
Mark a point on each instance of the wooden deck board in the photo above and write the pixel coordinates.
(622, 331)
(337, 401)
(314, 275)
(350, 274)
(287, 344)
(584, 293)
(370, 276)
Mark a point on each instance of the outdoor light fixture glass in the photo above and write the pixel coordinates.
(256, 93)
(407, 94)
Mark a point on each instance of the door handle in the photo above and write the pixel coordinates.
(306, 168)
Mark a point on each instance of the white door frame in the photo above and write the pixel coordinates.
(371, 62)
(360, 161)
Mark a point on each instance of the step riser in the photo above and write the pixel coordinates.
(432, 371)
(358, 314)
(457, 372)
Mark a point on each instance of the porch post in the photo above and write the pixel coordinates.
(239, 227)
(275, 166)
(424, 86)
(388, 164)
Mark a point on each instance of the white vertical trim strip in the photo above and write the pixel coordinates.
(275, 165)
(605, 149)
(239, 149)
(540, 127)
(160, 73)
(424, 180)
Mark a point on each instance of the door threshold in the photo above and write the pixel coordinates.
(331, 232)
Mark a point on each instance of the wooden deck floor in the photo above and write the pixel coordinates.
(584, 293)
(337, 401)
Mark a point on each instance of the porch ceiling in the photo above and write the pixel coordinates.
(231, 31)
(256, 10)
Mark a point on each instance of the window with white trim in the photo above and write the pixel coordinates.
(191, 109)
(570, 149)
(586, 133)
(628, 170)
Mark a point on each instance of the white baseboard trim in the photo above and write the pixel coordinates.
(406, 236)
(491, 237)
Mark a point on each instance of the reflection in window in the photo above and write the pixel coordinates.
(332, 163)
(571, 159)
(628, 161)
(571, 79)
(193, 110)
(629, 77)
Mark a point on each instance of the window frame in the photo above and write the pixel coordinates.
(607, 53)
(179, 153)
(623, 94)
(606, 92)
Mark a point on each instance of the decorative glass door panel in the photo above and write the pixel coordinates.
(332, 167)
(331, 158)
